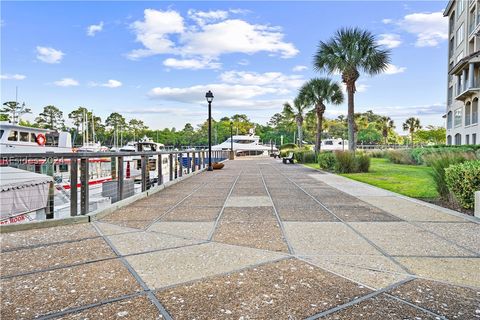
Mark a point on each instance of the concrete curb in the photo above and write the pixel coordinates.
(393, 194)
(95, 215)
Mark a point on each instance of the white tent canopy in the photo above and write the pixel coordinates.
(22, 191)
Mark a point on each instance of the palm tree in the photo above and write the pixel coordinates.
(411, 125)
(297, 111)
(350, 51)
(317, 92)
(386, 125)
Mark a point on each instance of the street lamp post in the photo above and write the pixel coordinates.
(209, 97)
(232, 154)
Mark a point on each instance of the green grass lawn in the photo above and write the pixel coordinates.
(410, 180)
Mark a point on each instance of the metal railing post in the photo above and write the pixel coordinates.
(189, 162)
(176, 165)
(170, 160)
(84, 177)
(73, 187)
(180, 163)
(144, 171)
(120, 178)
(160, 170)
(194, 165)
(50, 204)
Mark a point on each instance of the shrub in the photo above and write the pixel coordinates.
(463, 180)
(345, 162)
(362, 162)
(304, 156)
(378, 154)
(327, 160)
(400, 156)
(439, 162)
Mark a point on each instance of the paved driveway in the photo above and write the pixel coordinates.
(255, 240)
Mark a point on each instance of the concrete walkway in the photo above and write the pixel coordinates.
(255, 240)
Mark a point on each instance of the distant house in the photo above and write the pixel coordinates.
(463, 90)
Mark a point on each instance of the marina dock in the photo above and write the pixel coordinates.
(255, 239)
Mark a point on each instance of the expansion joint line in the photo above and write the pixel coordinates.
(358, 300)
(383, 252)
(280, 223)
(210, 236)
(139, 280)
(174, 206)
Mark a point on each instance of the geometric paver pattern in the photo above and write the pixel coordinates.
(255, 240)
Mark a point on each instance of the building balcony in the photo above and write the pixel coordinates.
(468, 92)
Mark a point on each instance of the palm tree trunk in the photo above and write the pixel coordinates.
(412, 138)
(351, 121)
(318, 138)
(300, 133)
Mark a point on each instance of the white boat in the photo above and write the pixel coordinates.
(334, 144)
(19, 139)
(246, 145)
(133, 165)
(27, 140)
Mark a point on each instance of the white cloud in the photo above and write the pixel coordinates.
(49, 55)
(393, 69)
(12, 76)
(387, 21)
(66, 82)
(202, 17)
(269, 79)
(429, 28)
(109, 84)
(194, 64)
(214, 36)
(299, 68)
(222, 92)
(94, 28)
(154, 30)
(389, 40)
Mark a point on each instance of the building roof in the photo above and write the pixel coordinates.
(447, 9)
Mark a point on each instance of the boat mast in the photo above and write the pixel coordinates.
(93, 128)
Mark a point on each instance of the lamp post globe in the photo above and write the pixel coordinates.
(209, 97)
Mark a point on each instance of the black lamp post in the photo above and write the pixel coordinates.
(231, 141)
(209, 97)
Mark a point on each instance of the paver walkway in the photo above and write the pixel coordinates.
(255, 240)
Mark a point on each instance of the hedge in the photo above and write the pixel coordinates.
(463, 180)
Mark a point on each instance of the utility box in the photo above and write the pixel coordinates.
(110, 189)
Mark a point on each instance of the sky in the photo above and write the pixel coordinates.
(154, 61)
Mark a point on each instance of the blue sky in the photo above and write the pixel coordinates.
(155, 60)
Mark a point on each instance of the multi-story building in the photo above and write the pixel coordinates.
(463, 125)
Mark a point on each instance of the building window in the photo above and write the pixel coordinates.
(449, 95)
(458, 139)
(449, 120)
(468, 108)
(451, 23)
(467, 139)
(449, 140)
(460, 7)
(474, 111)
(471, 22)
(474, 138)
(457, 117)
(460, 34)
